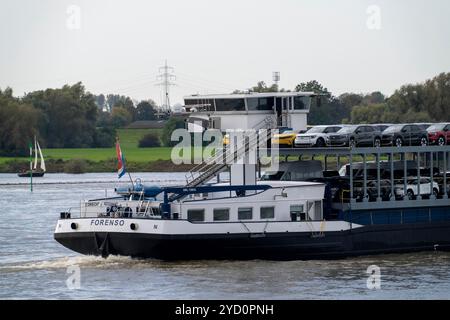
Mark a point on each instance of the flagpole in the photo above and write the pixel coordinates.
(132, 183)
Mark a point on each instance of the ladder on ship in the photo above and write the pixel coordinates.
(205, 171)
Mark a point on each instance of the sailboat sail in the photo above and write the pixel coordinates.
(35, 154)
(42, 157)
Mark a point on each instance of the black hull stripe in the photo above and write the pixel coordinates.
(271, 246)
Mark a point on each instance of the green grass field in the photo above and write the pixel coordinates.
(129, 139)
(131, 154)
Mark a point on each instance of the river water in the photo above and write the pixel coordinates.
(34, 266)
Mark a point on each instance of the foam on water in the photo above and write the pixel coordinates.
(64, 262)
(97, 262)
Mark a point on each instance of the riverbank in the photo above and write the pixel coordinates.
(88, 166)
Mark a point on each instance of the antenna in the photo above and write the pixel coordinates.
(276, 77)
(166, 77)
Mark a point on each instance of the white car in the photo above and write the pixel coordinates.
(412, 188)
(316, 136)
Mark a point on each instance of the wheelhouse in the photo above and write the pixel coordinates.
(236, 111)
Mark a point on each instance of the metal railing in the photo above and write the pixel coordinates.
(205, 171)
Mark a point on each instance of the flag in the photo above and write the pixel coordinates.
(120, 160)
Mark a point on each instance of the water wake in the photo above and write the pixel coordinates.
(96, 262)
(81, 261)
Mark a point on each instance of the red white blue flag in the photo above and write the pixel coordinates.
(120, 160)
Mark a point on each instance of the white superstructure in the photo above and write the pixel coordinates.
(268, 211)
(245, 111)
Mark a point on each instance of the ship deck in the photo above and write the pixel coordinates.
(433, 160)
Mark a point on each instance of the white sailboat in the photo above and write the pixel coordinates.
(37, 169)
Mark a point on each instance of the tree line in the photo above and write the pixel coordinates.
(422, 102)
(67, 117)
(71, 117)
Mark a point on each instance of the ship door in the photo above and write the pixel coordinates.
(285, 106)
(282, 107)
(278, 110)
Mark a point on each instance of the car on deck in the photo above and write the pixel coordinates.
(317, 136)
(439, 134)
(285, 139)
(412, 188)
(356, 136)
(404, 134)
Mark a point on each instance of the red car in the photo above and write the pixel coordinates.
(439, 134)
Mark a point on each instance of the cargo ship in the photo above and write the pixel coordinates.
(331, 202)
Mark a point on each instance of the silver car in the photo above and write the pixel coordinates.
(317, 136)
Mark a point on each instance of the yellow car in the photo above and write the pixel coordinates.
(285, 139)
(226, 139)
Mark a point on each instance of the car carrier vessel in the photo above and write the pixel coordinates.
(304, 210)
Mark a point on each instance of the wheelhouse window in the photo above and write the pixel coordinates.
(301, 176)
(196, 215)
(230, 105)
(272, 176)
(199, 104)
(261, 104)
(267, 212)
(297, 211)
(302, 103)
(221, 214)
(245, 213)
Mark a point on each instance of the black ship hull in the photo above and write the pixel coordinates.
(367, 240)
(34, 174)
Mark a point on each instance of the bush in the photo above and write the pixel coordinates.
(150, 140)
(104, 137)
(75, 166)
(170, 126)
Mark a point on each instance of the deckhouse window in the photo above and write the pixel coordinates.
(245, 213)
(221, 214)
(200, 104)
(302, 103)
(254, 104)
(267, 212)
(230, 105)
(297, 211)
(196, 215)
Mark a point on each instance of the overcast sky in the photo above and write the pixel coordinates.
(219, 46)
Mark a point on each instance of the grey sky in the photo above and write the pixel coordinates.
(219, 46)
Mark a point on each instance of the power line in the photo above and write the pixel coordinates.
(166, 77)
(207, 82)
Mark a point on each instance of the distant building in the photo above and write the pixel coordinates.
(147, 124)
